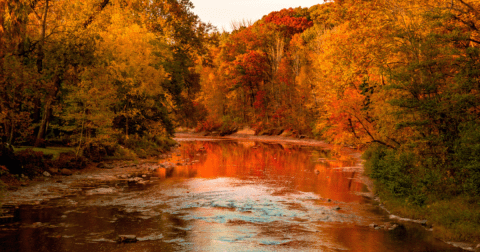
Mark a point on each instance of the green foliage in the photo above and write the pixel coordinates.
(146, 146)
(392, 170)
(467, 159)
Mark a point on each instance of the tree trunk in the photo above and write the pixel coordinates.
(40, 57)
(10, 138)
(47, 111)
(43, 125)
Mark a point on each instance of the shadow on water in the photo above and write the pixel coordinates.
(222, 196)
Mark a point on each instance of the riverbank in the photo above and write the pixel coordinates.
(23, 165)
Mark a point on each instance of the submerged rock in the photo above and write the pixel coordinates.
(126, 239)
(135, 180)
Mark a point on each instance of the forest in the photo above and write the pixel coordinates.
(397, 79)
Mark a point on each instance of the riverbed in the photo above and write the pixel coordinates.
(213, 194)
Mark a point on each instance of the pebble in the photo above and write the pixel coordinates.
(46, 174)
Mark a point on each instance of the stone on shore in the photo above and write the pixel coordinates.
(66, 172)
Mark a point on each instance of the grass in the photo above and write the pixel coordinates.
(453, 219)
(55, 151)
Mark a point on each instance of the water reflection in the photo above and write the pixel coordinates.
(224, 196)
(291, 167)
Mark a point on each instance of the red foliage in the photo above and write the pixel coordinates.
(289, 21)
(285, 74)
(251, 69)
(259, 100)
(210, 124)
(279, 114)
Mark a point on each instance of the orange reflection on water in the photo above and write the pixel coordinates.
(292, 167)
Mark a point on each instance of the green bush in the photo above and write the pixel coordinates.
(467, 160)
(148, 146)
(393, 171)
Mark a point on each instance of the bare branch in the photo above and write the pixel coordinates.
(102, 5)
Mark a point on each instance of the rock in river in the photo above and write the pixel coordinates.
(126, 239)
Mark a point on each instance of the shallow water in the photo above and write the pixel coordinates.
(226, 196)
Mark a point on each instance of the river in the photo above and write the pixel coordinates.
(222, 195)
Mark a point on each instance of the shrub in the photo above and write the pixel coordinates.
(33, 162)
(467, 160)
(70, 160)
(8, 159)
(210, 124)
(393, 171)
(97, 151)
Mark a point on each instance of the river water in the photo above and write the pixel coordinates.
(223, 195)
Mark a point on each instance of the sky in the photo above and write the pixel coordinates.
(221, 13)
